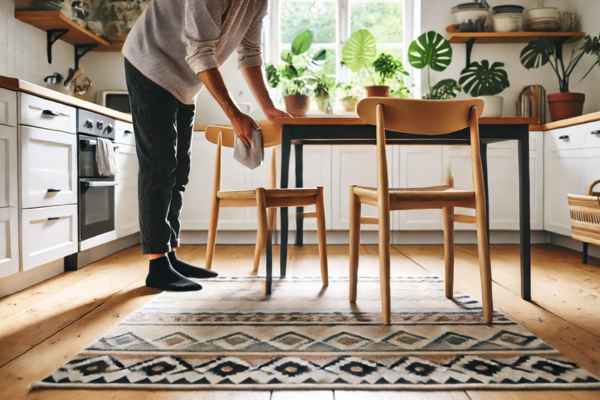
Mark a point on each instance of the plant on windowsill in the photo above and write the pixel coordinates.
(324, 85)
(349, 95)
(538, 53)
(431, 51)
(381, 72)
(486, 81)
(294, 75)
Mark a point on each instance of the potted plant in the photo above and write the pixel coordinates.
(293, 75)
(540, 52)
(486, 80)
(386, 68)
(323, 89)
(431, 51)
(349, 96)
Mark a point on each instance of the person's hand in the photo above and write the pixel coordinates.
(275, 113)
(243, 126)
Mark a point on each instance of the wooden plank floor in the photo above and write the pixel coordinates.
(47, 324)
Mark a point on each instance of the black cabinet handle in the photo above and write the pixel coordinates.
(54, 190)
(53, 219)
(49, 114)
(127, 132)
(595, 133)
(566, 138)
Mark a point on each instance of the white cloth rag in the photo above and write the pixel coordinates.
(106, 159)
(252, 156)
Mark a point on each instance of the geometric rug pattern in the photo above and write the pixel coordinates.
(231, 337)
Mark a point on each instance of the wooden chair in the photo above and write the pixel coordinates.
(266, 200)
(421, 117)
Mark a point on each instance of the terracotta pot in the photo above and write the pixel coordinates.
(565, 105)
(378, 91)
(297, 105)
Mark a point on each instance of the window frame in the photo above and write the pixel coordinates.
(272, 34)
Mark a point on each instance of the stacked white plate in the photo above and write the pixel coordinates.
(545, 19)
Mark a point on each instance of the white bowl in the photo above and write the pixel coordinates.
(543, 19)
(508, 22)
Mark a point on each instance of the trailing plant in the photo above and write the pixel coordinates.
(484, 79)
(431, 51)
(540, 52)
(323, 84)
(299, 65)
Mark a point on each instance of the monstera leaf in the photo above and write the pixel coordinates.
(302, 42)
(537, 53)
(445, 89)
(359, 51)
(483, 79)
(430, 50)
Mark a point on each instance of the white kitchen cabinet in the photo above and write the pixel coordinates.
(571, 164)
(47, 114)
(48, 167)
(8, 107)
(354, 165)
(8, 166)
(126, 191)
(48, 234)
(9, 241)
(124, 133)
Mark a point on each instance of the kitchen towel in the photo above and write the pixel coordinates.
(252, 156)
(105, 158)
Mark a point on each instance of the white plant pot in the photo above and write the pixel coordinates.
(493, 106)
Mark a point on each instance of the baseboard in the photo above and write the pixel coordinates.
(369, 237)
(570, 243)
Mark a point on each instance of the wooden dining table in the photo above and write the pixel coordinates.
(351, 130)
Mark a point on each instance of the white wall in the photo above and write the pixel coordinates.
(23, 49)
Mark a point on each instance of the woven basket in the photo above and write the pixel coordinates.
(585, 216)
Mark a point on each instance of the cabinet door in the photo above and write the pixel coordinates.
(126, 193)
(48, 168)
(354, 165)
(8, 107)
(419, 166)
(48, 234)
(8, 166)
(9, 253)
(47, 114)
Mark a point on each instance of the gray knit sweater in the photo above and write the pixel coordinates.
(174, 40)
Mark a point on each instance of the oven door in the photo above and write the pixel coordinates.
(87, 157)
(96, 208)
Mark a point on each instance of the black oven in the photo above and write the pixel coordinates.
(96, 193)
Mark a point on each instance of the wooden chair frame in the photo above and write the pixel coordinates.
(421, 117)
(266, 201)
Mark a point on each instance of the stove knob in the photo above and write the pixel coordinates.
(88, 124)
(108, 129)
(99, 125)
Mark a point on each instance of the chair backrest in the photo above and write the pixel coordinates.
(423, 117)
(271, 132)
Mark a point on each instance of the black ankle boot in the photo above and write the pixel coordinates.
(188, 270)
(162, 276)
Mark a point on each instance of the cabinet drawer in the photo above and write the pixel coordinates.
(48, 234)
(47, 114)
(8, 166)
(9, 254)
(48, 168)
(592, 134)
(8, 107)
(572, 137)
(124, 133)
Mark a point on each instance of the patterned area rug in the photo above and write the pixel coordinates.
(230, 337)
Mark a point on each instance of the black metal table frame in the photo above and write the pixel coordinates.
(301, 135)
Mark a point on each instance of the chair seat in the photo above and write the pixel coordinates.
(274, 197)
(419, 198)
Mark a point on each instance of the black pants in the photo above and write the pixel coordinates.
(163, 132)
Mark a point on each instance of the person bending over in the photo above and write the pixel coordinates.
(173, 50)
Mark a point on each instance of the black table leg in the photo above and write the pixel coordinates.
(298, 158)
(584, 253)
(285, 175)
(524, 216)
(269, 256)
(484, 165)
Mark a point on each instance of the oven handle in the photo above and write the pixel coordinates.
(88, 142)
(95, 184)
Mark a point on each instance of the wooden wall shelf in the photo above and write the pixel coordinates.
(56, 20)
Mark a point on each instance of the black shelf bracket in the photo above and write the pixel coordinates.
(81, 50)
(52, 36)
(470, 44)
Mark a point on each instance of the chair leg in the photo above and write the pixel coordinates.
(384, 264)
(448, 213)
(261, 239)
(212, 233)
(263, 232)
(322, 236)
(485, 270)
(354, 243)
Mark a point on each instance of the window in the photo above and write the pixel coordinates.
(333, 21)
